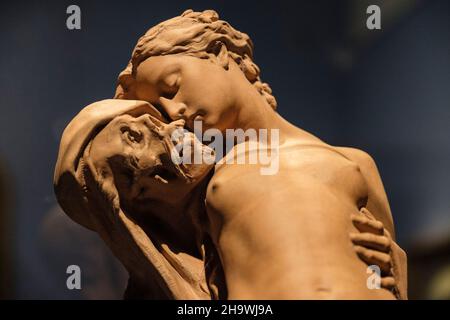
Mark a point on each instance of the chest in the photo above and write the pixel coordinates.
(312, 172)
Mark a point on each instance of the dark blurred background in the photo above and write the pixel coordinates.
(385, 91)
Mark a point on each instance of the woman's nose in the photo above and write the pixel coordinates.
(175, 110)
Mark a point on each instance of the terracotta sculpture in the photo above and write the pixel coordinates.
(197, 232)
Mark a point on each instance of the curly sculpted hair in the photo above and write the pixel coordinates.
(198, 34)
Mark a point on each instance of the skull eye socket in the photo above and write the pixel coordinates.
(131, 135)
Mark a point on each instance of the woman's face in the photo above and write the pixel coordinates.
(138, 152)
(189, 88)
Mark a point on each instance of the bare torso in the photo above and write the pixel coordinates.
(286, 236)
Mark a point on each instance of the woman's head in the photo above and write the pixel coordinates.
(196, 34)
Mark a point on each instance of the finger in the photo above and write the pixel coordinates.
(387, 234)
(372, 257)
(371, 241)
(364, 224)
(388, 282)
(367, 213)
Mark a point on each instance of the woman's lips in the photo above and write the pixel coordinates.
(198, 117)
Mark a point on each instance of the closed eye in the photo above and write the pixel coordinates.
(170, 85)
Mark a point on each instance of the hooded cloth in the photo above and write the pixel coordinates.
(95, 204)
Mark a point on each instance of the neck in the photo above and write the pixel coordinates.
(255, 113)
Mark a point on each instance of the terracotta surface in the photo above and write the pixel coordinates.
(226, 231)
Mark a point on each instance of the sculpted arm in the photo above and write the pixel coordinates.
(379, 236)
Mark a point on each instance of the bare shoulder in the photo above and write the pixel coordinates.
(378, 202)
(366, 163)
(362, 158)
